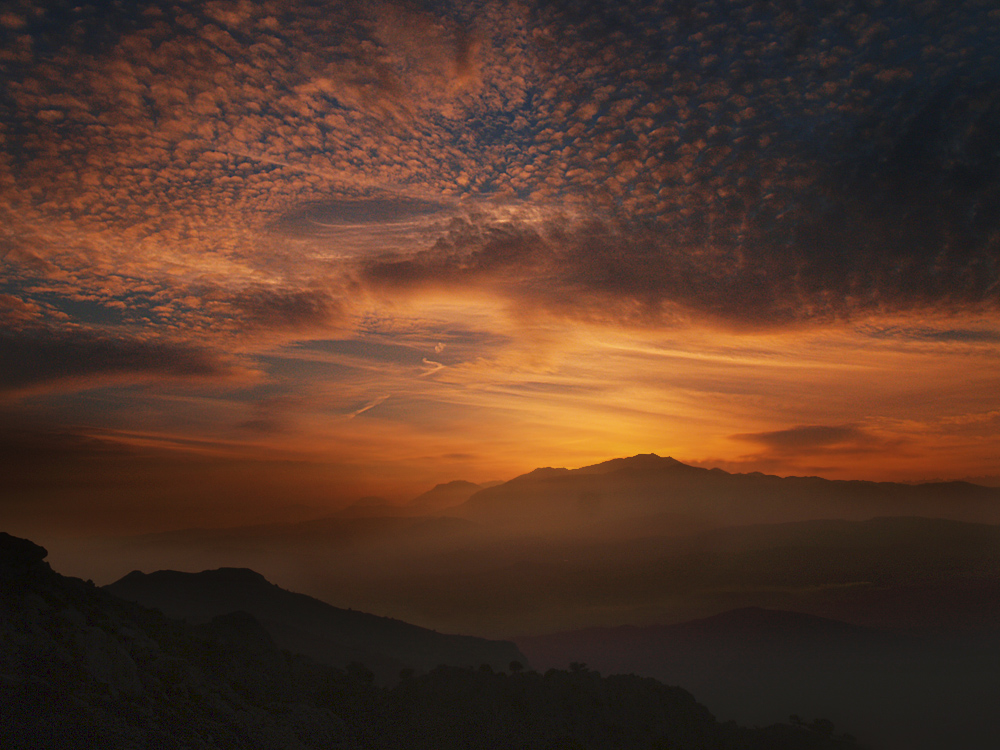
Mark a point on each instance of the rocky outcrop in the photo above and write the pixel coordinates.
(80, 668)
(18, 554)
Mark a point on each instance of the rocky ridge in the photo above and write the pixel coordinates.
(81, 668)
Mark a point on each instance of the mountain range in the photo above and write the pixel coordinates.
(639, 540)
(876, 604)
(81, 669)
(305, 625)
(649, 493)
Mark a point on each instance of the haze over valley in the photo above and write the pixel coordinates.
(876, 605)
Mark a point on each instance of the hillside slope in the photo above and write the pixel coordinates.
(83, 669)
(309, 626)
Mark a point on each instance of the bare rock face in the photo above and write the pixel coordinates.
(107, 660)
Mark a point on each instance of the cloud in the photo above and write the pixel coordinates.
(787, 173)
(729, 161)
(472, 251)
(432, 367)
(857, 251)
(370, 405)
(16, 312)
(818, 449)
(805, 438)
(934, 335)
(299, 309)
(26, 443)
(43, 359)
(336, 213)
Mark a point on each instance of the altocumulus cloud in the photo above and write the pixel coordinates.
(750, 164)
(191, 191)
(756, 163)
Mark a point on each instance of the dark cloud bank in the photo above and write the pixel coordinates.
(784, 162)
(42, 357)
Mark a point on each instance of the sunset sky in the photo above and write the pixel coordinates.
(260, 259)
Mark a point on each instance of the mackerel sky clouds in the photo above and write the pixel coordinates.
(364, 247)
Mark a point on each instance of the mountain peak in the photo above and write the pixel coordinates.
(444, 496)
(222, 578)
(639, 462)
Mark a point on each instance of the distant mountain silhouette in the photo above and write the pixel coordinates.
(455, 575)
(640, 462)
(340, 530)
(439, 498)
(901, 690)
(442, 497)
(663, 495)
(309, 626)
(754, 623)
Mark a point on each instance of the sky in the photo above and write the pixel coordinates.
(259, 259)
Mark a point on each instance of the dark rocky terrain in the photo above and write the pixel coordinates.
(82, 668)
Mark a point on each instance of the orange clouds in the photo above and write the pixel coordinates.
(383, 234)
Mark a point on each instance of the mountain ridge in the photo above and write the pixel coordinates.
(82, 669)
(307, 625)
(644, 486)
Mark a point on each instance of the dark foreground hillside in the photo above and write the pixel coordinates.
(80, 668)
(308, 626)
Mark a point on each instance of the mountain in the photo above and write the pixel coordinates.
(708, 645)
(898, 689)
(309, 626)
(893, 571)
(454, 575)
(435, 500)
(443, 497)
(648, 493)
(83, 669)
